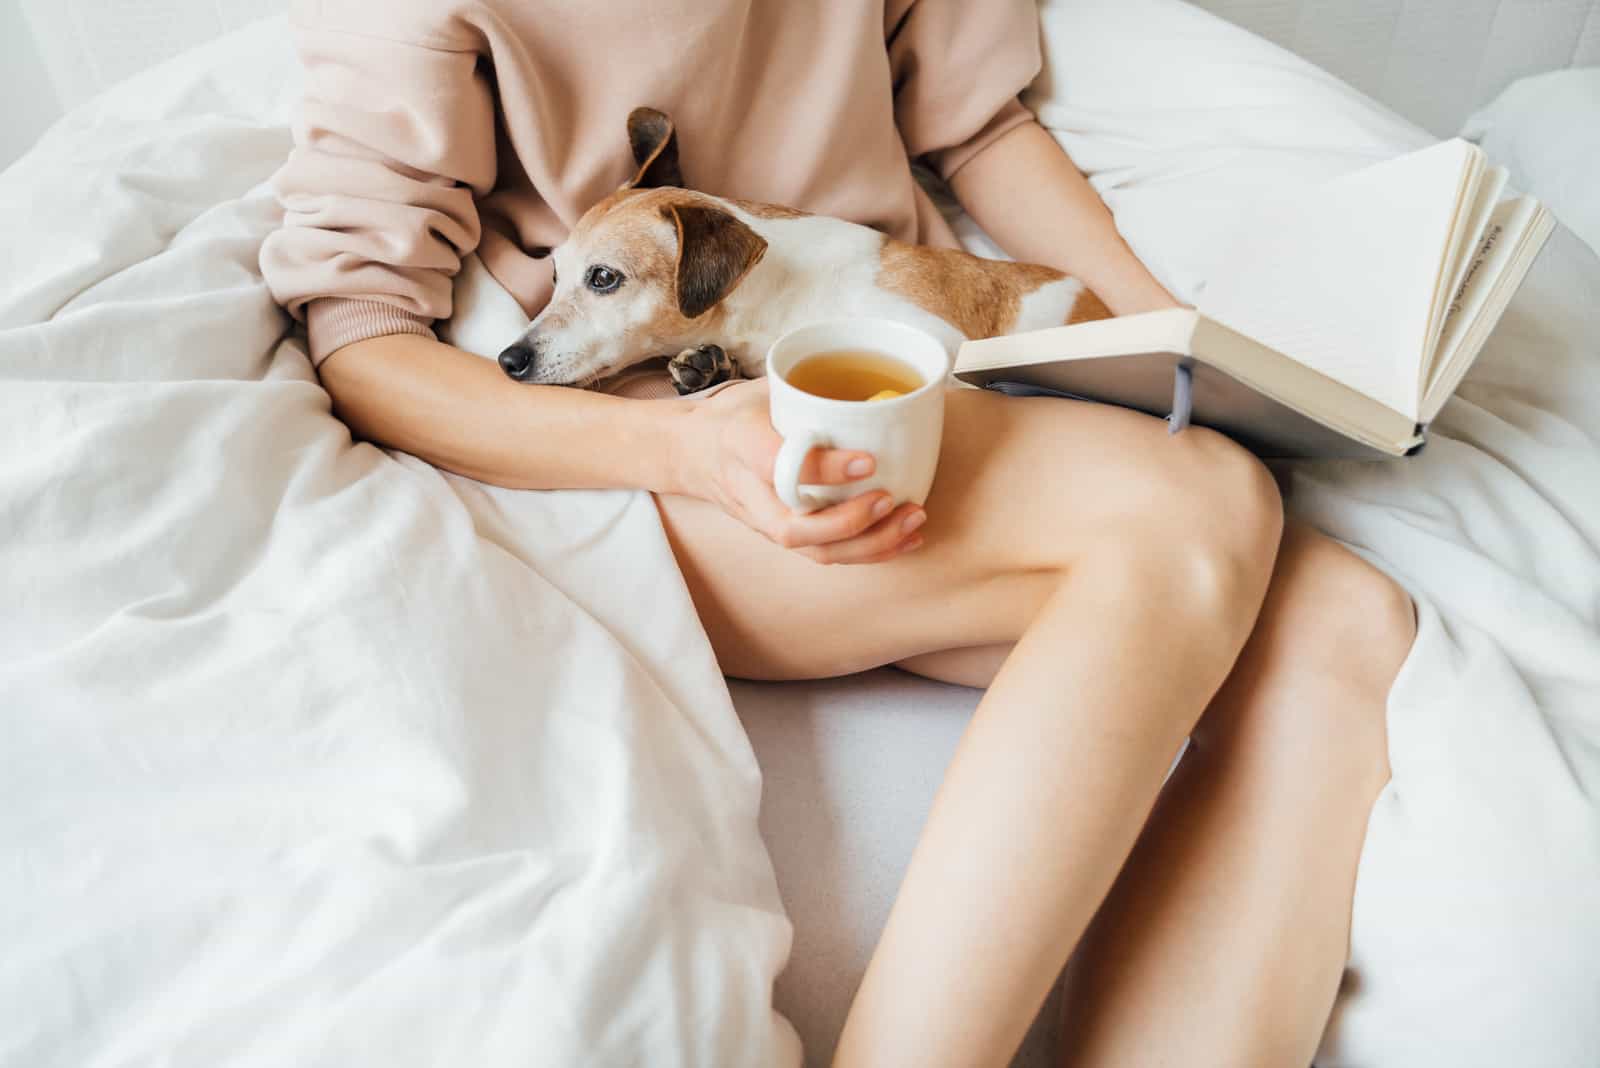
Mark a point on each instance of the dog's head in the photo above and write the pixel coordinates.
(642, 274)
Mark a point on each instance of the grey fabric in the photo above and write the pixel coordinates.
(850, 767)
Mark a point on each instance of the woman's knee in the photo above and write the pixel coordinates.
(1328, 645)
(1196, 559)
(1209, 527)
(1228, 493)
(1333, 612)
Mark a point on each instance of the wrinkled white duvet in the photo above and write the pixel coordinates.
(1476, 936)
(309, 754)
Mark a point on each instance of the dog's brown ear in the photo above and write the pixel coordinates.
(715, 252)
(655, 150)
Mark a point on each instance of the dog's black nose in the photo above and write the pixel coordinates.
(517, 361)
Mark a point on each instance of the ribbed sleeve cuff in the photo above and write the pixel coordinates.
(951, 160)
(334, 322)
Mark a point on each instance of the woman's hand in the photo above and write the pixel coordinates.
(730, 461)
(461, 413)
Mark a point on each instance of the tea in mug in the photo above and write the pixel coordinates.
(854, 375)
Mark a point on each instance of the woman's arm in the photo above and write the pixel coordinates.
(1025, 192)
(459, 412)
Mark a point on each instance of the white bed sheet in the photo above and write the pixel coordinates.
(314, 755)
(1476, 931)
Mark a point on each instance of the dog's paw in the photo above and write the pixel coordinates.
(693, 370)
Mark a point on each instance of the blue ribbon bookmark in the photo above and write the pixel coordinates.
(1182, 399)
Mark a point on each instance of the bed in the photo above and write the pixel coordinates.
(464, 856)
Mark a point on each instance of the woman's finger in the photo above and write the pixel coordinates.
(758, 444)
(839, 522)
(835, 467)
(892, 536)
(910, 545)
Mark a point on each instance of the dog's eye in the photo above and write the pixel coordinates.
(602, 279)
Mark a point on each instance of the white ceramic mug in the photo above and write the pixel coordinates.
(902, 433)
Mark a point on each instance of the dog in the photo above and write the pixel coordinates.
(656, 268)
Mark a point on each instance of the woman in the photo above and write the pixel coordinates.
(1114, 588)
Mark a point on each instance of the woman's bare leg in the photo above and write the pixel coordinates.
(1225, 936)
(1129, 568)
(1227, 933)
(975, 666)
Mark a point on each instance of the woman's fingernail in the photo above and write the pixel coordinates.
(913, 521)
(884, 506)
(860, 467)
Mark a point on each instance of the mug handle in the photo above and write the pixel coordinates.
(786, 472)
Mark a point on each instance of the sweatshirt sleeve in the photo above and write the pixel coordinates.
(393, 143)
(958, 69)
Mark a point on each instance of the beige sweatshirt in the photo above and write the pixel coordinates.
(435, 128)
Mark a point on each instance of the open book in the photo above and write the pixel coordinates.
(1337, 322)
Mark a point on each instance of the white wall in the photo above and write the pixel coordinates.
(28, 103)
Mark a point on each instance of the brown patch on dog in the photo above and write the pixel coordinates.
(633, 239)
(715, 252)
(1033, 275)
(631, 223)
(654, 141)
(1088, 308)
(632, 220)
(980, 298)
(601, 209)
(768, 211)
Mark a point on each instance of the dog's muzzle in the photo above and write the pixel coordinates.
(518, 360)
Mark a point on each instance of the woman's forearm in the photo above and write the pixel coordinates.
(1028, 196)
(459, 412)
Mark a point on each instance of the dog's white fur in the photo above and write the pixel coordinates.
(806, 268)
(485, 317)
(818, 267)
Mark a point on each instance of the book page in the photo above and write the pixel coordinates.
(1470, 230)
(1477, 277)
(1342, 276)
(1516, 232)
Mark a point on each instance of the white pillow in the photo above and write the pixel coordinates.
(1546, 131)
(1182, 119)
